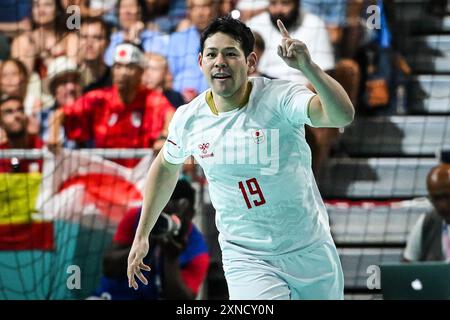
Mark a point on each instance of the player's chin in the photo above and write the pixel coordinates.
(220, 86)
(222, 91)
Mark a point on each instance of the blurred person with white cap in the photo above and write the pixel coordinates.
(63, 80)
(125, 115)
(63, 83)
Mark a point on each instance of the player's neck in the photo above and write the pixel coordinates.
(238, 100)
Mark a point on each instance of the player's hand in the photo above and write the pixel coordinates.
(292, 51)
(138, 251)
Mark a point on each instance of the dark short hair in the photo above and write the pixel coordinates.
(232, 27)
(105, 26)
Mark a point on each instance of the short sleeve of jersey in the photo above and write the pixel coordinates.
(174, 149)
(294, 104)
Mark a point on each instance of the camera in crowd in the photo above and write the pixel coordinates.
(166, 225)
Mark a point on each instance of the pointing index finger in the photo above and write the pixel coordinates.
(283, 29)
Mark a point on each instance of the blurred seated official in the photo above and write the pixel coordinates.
(430, 238)
(178, 259)
(14, 123)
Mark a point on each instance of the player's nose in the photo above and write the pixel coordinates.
(220, 61)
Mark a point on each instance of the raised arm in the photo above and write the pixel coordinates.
(332, 106)
(161, 181)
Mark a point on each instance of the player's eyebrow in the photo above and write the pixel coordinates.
(227, 48)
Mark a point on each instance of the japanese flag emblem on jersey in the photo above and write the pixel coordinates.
(258, 136)
(136, 119)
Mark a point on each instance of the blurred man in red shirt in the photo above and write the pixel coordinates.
(14, 122)
(126, 115)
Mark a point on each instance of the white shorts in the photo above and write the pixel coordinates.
(316, 274)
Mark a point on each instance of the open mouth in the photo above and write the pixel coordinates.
(221, 76)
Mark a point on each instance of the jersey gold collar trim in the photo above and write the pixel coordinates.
(212, 106)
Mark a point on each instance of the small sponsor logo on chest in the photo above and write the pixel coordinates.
(204, 150)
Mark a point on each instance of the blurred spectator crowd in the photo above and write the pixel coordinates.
(64, 84)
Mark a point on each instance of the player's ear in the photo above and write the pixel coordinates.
(252, 61)
(199, 59)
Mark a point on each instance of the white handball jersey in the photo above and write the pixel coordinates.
(258, 166)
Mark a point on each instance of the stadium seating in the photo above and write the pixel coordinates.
(397, 135)
(373, 223)
(429, 94)
(387, 158)
(375, 177)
